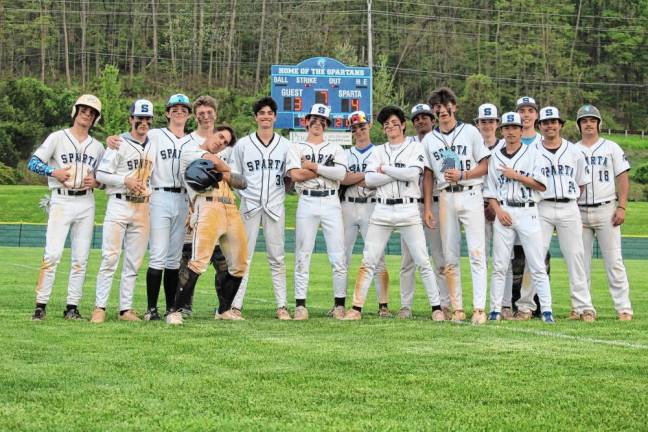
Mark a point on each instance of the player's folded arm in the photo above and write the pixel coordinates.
(411, 173)
(374, 179)
(335, 172)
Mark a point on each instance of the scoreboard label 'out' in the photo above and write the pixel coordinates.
(323, 80)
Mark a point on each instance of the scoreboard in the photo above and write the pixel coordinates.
(323, 80)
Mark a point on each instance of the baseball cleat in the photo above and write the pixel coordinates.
(383, 312)
(574, 316)
(337, 312)
(506, 314)
(301, 313)
(625, 316)
(72, 314)
(283, 314)
(405, 313)
(478, 317)
(353, 315)
(174, 318)
(152, 315)
(495, 316)
(547, 317)
(186, 312)
(458, 316)
(237, 312)
(438, 315)
(129, 315)
(447, 313)
(98, 316)
(231, 315)
(588, 316)
(39, 314)
(523, 316)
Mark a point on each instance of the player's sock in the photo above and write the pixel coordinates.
(358, 308)
(185, 291)
(383, 305)
(70, 307)
(340, 301)
(230, 288)
(41, 305)
(436, 308)
(153, 281)
(171, 282)
(300, 302)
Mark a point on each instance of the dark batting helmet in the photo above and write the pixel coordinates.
(202, 175)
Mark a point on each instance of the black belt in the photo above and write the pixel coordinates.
(131, 198)
(517, 204)
(168, 189)
(559, 200)
(318, 193)
(70, 192)
(457, 188)
(223, 200)
(394, 201)
(360, 200)
(595, 205)
(435, 198)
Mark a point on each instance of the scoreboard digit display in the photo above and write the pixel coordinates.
(323, 80)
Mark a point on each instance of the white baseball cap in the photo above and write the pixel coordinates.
(526, 101)
(142, 108)
(511, 119)
(320, 110)
(487, 111)
(421, 109)
(550, 113)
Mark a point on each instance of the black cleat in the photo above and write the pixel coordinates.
(39, 314)
(72, 314)
(152, 315)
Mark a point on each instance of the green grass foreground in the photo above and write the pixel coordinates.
(262, 374)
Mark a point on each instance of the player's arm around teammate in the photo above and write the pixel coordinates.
(317, 167)
(261, 159)
(514, 176)
(601, 213)
(394, 169)
(358, 203)
(69, 159)
(126, 173)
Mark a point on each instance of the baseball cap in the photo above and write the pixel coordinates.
(421, 109)
(511, 119)
(320, 110)
(550, 113)
(357, 117)
(141, 108)
(526, 101)
(487, 111)
(178, 99)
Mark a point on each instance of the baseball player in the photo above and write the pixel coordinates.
(317, 166)
(394, 169)
(566, 170)
(215, 219)
(600, 212)
(514, 176)
(126, 173)
(358, 203)
(69, 159)
(261, 158)
(459, 159)
(423, 121)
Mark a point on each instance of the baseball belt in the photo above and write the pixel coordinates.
(170, 189)
(360, 200)
(394, 201)
(131, 198)
(457, 188)
(559, 200)
(318, 193)
(70, 192)
(595, 205)
(224, 200)
(517, 204)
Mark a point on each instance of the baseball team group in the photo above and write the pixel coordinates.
(175, 193)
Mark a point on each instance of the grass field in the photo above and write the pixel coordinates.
(634, 142)
(20, 204)
(261, 374)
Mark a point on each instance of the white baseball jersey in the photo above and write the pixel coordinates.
(264, 168)
(320, 154)
(168, 151)
(132, 159)
(464, 144)
(605, 160)
(565, 170)
(357, 161)
(406, 155)
(61, 150)
(526, 162)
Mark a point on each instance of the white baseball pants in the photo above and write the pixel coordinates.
(73, 214)
(168, 216)
(126, 224)
(597, 221)
(273, 232)
(356, 220)
(490, 251)
(464, 208)
(435, 250)
(311, 213)
(526, 225)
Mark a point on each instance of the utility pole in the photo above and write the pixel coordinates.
(369, 36)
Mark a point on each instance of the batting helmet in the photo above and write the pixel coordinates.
(202, 175)
(178, 99)
(588, 110)
(88, 100)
